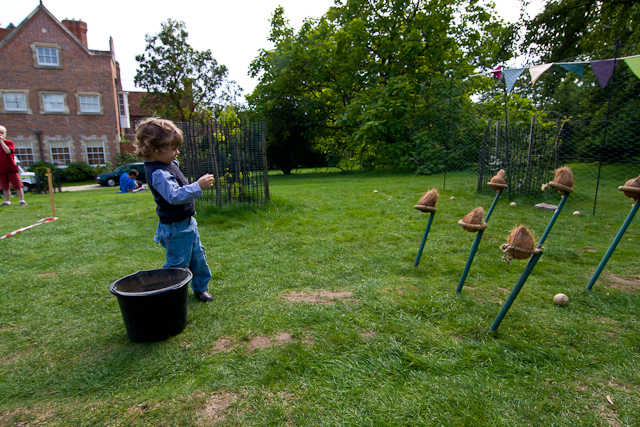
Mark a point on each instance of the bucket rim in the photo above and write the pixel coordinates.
(114, 291)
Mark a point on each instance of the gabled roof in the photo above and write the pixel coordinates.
(40, 7)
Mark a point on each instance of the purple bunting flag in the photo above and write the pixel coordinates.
(603, 70)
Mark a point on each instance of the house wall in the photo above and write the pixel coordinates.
(81, 71)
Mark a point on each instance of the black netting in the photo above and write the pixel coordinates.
(234, 154)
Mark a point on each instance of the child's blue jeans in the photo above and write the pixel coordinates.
(182, 244)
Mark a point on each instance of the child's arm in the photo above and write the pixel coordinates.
(5, 147)
(165, 184)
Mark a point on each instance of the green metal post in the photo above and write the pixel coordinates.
(527, 271)
(475, 245)
(614, 244)
(424, 239)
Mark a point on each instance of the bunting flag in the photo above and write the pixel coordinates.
(575, 67)
(603, 70)
(634, 64)
(498, 72)
(510, 77)
(536, 71)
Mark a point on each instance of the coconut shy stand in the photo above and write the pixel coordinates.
(498, 184)
(632, 190)
(427, 203)
(563, 183)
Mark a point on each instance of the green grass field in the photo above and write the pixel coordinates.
(319, 316)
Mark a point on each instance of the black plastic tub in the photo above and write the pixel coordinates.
(153, 302)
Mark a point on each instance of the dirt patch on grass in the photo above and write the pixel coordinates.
(629, 285)
(319, 297)
(216, 408)
(262, 341)
(368, 334)
(224, 344)
(26, 417)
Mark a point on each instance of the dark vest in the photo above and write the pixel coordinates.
(167, 212)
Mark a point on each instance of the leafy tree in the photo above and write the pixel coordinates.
(183, 83)
(354, 81)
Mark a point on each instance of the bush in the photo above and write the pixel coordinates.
(124, 158)
(79, 171)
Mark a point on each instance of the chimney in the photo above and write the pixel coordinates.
(78, 29)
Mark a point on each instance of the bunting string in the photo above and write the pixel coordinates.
(603, 70)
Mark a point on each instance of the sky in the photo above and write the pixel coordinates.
(234, 31)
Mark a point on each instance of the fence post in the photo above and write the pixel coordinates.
(527, 178)
(482, 159)
(264, 161)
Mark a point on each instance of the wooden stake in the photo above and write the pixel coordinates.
(50, 181)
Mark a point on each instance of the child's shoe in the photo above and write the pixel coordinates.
(204, 296)
(23, 203)
(6, 204)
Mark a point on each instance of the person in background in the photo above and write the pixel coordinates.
(9, 172)
(128, 182)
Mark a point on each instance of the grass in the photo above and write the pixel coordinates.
(403, 349)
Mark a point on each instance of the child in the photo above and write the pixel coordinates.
(9, 172)
(157, 142)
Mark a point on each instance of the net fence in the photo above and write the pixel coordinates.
(475, 128)
(235, 154)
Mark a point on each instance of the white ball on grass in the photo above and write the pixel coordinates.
(375, 191)
(453, 198)
(577, 213)
(513, 204)
(561, 300)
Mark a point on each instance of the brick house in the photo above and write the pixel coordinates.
(59, 100)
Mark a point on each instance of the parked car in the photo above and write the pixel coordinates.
(28, 178)
(111, 179)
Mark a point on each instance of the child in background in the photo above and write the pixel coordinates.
(9, 172)
(157, 142)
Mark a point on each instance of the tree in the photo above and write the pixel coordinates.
(183, 83)
(355, 80)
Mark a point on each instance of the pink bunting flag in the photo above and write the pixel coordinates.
(603, 70)
(498, 72)
(537, 70)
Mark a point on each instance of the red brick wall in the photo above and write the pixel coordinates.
(81, 71)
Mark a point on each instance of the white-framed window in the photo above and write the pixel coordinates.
(15, 101)
(123, 107)
(95, 153)
(53, 103)
(47, 56)
(24, 152)
(89, 103)
(60, 153)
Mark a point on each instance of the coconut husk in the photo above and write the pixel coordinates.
(498, 182)
(520, 244)
(427, 203)
(631, 188)
(473, 220)
(563, 182)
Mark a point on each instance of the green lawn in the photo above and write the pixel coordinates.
(396, 346)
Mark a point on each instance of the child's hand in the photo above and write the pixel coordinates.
(205, 181)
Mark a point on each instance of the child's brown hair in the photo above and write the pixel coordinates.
(154, 135)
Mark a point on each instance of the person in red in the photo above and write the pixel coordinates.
(9, 172)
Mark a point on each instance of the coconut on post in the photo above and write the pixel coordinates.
(498, 182)
(563, 182)
(427, 203)
(520, 244)
(473, 220)
(631, 188)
